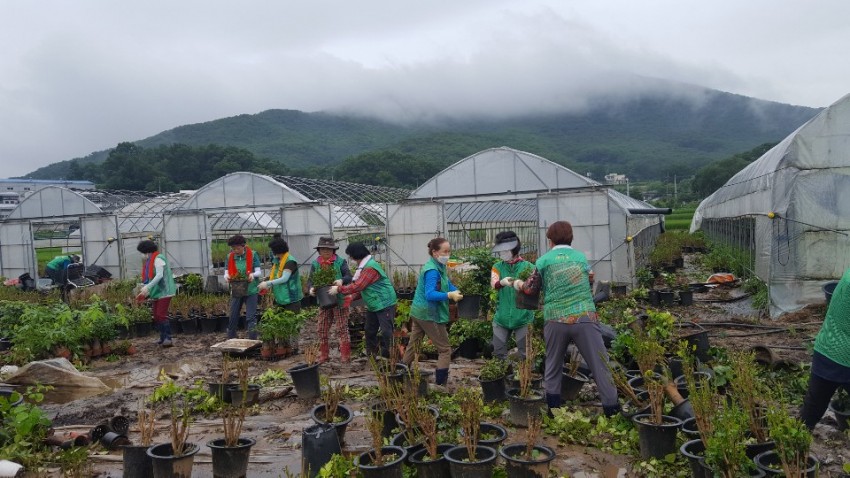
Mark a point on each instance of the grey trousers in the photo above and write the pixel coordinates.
(588, 339)
(500, 340)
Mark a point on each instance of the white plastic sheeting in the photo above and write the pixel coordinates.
(805, 181)
(410, 225)
(53, 202)
(96, 232)
(187, 242)
(17, 254)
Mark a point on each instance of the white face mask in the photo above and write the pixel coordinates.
(506, 255)
(443, 259)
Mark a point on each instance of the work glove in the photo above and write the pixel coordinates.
(334, 290)
(338, 282)
(518, 284)
(145, 291)
(455, 295)
(507, 281)
(264, 285)
(312, 291)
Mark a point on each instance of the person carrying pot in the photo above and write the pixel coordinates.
(159, 287)
(831, 357)
(508, 318)
(336, 315)
(284, 278)
(243, 264)
(562, 275)
(430, 308)
(372, 284)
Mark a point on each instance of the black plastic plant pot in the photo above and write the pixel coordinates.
(431, 409)
(492, 435)
(842, 417)
(6, 344)
(326, 301)
(387, 418)
(427, 467)
(306, 380)
(522, 407)
(401, 441)
(700, 344)
(142, 329)
(694, 450)
(654, 298)
(511, 381)
(493, 390)
(319, 443)
(249, 397)
(571, 385)
(209, 324)
(174, 322)
(667, 297)
(166, 465)
(469, 307)
(114, 441)
(222, 321)
(189, 326)
(683, 411)
(769, 463)
(468, 349)
(119, 424)
(218, 389)
(708, 472)
(754, 449)
(342, 418)
(398, 377)
(629, 409)
(689, 428)
(676, 367)
(137, 463)
(230, 461)
(393, 459)
(479, 466)
(686, 297)
(517, 465)
(656, 440)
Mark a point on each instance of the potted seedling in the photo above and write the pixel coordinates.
(525, 401)
(239, 285)
(331, 411)
(523, 300)
(791, 456)
(305, 376)
(471, 459)
(269, 330)
(725, 453)
(243, 392)
(380, 461)
(230, 455)
(430, 461)
(841, 408)
(573, 380)
(529, 458)
(219, 389)
(177, 457)
(492, 379)
(322, 279)
(750, 392)
(137, 463)
(469, 284)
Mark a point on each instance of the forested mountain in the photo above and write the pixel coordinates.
(646, 138)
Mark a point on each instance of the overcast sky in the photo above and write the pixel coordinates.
(81, 76)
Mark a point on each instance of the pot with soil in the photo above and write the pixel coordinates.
(769, 463)
(305, 378)
(689, 429)
(521, 407)
(209, 324)
(469, 307)
(324, 299)
(468, 349)
(319, 443)
(137, 463)
(656, 440)
(667, 297)
(249, 397)
(341, 418)
(512, 381)
(479, 466)
(492, 435)
(431, 409)
(694, 451)
(390, 465)
(686, 297)
(518, 463)
(168, 465)
(630, 409)
(840, 407)
(189, 325)
(218, 389)
(402, 440)
(681, 382)
(230, 461)
(428, 467)
(492, 390)
(387, 418)
(571, 385)
(654, 298)
(699, 344)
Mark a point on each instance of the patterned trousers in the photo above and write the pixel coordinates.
(328, 317)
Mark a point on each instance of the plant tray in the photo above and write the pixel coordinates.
(237, 345)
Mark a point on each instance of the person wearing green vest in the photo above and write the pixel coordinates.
(337, 314)
(244, 264)
(57, 268)
(430, 308)
(159, 287)
(831, 357)
(562, 277)
(508, 318)
(284, 278)
(371, 283)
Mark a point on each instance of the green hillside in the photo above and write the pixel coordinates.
(649, 138)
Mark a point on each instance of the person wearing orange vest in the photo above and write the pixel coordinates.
(242, 261)
(159, 287)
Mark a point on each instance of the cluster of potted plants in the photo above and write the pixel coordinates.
(279, 329)
(405, 283)
(193, 313)
(470, 337)
(474, 282)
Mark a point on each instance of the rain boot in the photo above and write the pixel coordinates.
(345, 352)
(554, 401)
(165, 333)
(610, 410)
(323, 353)
(441, 376)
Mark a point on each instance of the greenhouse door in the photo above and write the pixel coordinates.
(186, 241)
(101, 244)
(17, 254)
(409, 228)
(587, 211)
(302, 228)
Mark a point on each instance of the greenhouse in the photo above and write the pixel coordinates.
(788, 211)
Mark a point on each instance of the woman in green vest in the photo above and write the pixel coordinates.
(371, 283)
(242, 262)
(159, 287)
(430, 308)
(562, 275)
(284, 279)
(336, 315)
(831, 359)
(508, 318)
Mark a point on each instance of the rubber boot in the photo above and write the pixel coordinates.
(345, 352)
(165, 333)
(441, 376)
(610, 410)
(160, 327)
(554, 401)
(323, 353)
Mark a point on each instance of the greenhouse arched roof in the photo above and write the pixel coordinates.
(53, 202)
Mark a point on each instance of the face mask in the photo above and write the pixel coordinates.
(506, 255)
(443, 259)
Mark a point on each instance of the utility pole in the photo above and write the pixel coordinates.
(675, 191)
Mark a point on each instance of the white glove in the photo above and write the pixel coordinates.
(226, 278)
(333, 290)
(455, 295)
(145, 291)
(256, 275)
(338, 282)
(507, 281)
(518, 284)
(312, 291)
(264, 285)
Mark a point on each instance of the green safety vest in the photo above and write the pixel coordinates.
(337, 265)
(833, 340)
(290, 291)
(507, 314)
(566, 286)
(58, 262)
(380, 294)
(421, 308)
(166, 287)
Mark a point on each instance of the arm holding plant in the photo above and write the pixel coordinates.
(288, 271)
(497, 282)
(368, 276)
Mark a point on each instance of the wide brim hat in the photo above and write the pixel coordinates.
(327, 243)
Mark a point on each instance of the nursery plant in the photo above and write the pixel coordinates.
(470, 421)
(749, 391)
(725, 451)
(494, 369)
(323, 276)
(792, 440)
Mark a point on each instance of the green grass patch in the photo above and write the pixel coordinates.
(677, 224)
(43, 255)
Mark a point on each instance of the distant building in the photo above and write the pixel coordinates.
(25, 187)
(615, 178)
